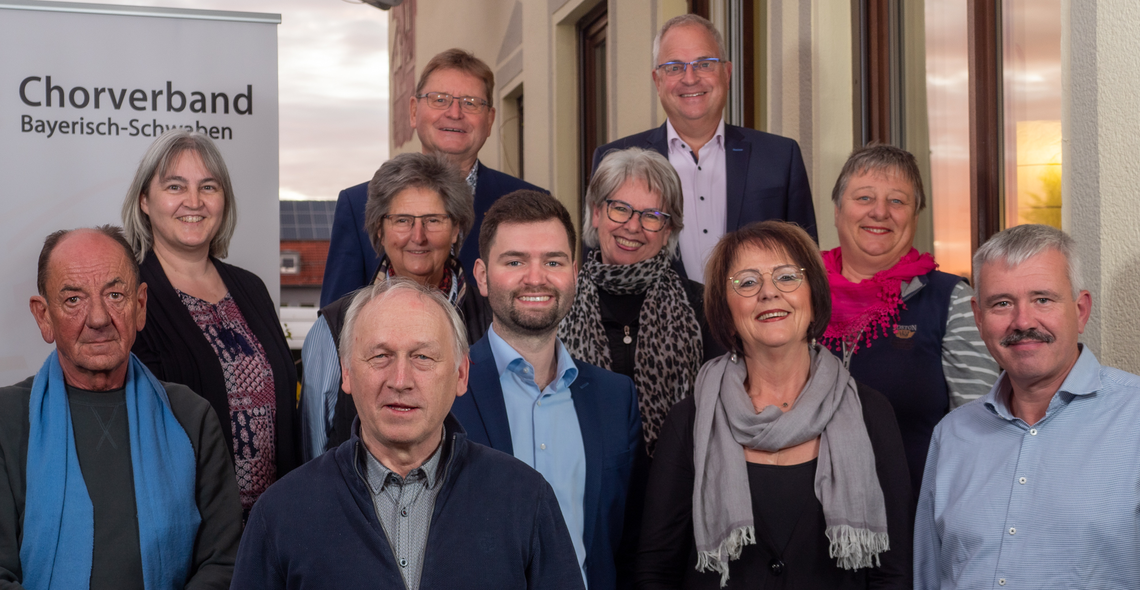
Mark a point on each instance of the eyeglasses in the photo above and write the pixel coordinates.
(651, 219)
(785, 278)
(434, 222)
(702, 66)
(442, 101)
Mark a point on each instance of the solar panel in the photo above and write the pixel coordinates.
(307, 220)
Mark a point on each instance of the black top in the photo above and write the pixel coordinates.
(102, 444)
(173, 348)
(788, 490)
(667, 555)
(621, 311)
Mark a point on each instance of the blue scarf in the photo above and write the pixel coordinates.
(59, 521)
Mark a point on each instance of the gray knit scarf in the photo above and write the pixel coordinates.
(669, 347)
(845, 479)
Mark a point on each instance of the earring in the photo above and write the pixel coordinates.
(733, 357)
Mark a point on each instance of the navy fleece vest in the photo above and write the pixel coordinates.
(906, 367)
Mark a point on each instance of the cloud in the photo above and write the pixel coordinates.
(332, 89)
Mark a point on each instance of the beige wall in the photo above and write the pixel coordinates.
(1101, 141)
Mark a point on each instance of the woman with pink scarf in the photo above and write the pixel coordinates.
(901, 326)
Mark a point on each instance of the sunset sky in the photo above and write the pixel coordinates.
(333, 89)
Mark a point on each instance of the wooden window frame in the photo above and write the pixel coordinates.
(592, 32)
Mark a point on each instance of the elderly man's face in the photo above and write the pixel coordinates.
(453, 132)
(691, 98)
(1029, 319)
(92, 311)
(403, 375)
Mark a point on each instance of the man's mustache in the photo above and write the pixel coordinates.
(1031, 334)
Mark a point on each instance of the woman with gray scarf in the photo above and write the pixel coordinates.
(780, 471)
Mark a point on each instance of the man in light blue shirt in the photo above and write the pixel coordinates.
(1037, 484)
(576, 424)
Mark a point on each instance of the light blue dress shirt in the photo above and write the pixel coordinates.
(319, 388)
(1052, 505)
(545, 432)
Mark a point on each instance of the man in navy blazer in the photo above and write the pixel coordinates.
(452, 115)
(730, 176)
(577, 424)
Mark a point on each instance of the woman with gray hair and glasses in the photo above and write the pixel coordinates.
(634, 314)
(209, 325)
(418, 213)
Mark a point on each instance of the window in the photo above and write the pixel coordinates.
(290, 263)
(592, 61)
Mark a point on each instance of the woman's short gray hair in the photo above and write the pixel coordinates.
(381, 290)
(430, 172)
(689, 19)
(648, 166)
(1022, 242)
(881, 159)
(156, 162)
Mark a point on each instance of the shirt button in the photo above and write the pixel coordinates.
(702, 198)
(1033, 431)
(705, 230)
(539, 402)
(1001, 582)
(403, 562)
(1012, 530)
(542, 446)
(404, 512)
(1021, 481)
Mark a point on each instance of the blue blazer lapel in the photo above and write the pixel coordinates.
(658, 140)
(589, 421)
(737, 152)
(487, 393)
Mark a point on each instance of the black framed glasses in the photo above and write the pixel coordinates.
(703, 66)
(651, 219)
(442, 101)
(747, 283)
(433, 222)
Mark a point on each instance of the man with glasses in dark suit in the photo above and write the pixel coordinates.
(452, 113)
(730, 176)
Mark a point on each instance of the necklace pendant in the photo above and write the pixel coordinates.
(627, 339)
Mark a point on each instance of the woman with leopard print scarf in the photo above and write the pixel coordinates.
(634, 314)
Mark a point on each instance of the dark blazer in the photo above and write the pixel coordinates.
(667, 555)
(766, 178)
(352, 261)
(608, 415)
(174, 349)
(495, 525)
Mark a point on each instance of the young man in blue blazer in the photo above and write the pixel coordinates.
(452, 114)
(730, 176)
(577, 424)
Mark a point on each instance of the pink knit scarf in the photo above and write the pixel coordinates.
(860, 311)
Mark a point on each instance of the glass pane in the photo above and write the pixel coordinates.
(947, 87)
(1031, 93)
(600, 92)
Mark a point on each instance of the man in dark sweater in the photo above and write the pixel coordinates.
(408, 501)
(108, 477)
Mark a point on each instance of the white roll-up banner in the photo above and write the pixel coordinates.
(84, 90)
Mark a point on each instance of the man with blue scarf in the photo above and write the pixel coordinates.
(108, 477)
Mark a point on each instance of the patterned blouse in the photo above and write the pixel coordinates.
(249, 385)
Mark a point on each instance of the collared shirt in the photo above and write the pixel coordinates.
(545, 432)
(319, 388)
(473, 176)
(1056, 504)
(704, 186)
(404, 506)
